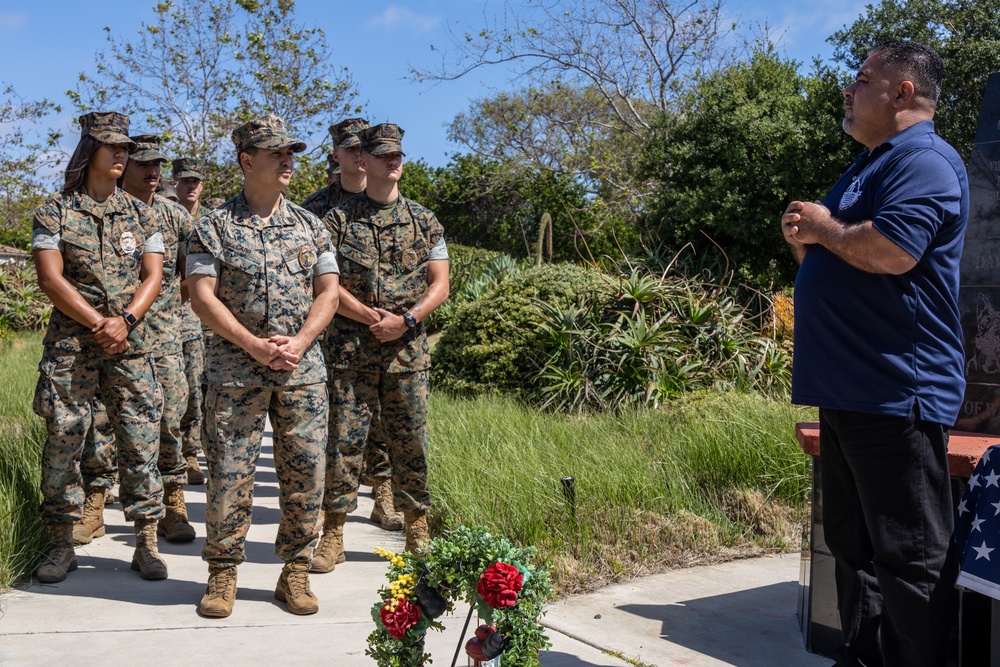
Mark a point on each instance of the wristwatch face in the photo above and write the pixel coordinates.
(410, 320)
(129, 318)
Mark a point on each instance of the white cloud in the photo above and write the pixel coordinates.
(12, 21)
(395, 16)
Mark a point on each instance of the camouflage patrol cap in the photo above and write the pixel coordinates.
(147, 149)
(333, 167)
(108, 127)
(382, 139)
(186, 167)
(267, 132)
(345, 133)
(166, 189)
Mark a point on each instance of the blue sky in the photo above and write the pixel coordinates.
(45, 44)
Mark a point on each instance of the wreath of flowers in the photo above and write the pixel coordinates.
(492, 574)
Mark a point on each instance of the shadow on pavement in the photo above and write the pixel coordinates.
(735, 627)
(557, 659)
(91, 581)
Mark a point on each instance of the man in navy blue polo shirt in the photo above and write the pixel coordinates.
(878, 348)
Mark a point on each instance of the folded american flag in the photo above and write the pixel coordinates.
(977, 527)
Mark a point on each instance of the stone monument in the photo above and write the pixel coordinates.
(979, 298)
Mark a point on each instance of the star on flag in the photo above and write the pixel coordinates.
(982, 551)
(976, 527)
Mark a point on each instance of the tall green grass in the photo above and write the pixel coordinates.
(709, 477)
(22, 435)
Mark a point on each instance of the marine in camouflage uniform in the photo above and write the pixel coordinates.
(394, 272)
(162, 321)
(110, 256)
(345, 137)
(191, 335)
(267, 286)
(347, 148)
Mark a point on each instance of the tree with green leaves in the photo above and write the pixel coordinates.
(594, 77)
(500, 206)
(965, 34)
(203, 67)
(556, 129)
(23, 155)
(751, 138)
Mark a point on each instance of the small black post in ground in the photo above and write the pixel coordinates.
(569, 493)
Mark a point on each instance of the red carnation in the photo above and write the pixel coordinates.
(499, 585)
(397, 622)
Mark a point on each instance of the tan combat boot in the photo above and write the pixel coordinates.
(91, 525)
(174, 526)
(61, 557)
(194, 473)
(416, 530)
(147, 560)
(220, 594)
(330, 549)
(384, 513)
(293, 588)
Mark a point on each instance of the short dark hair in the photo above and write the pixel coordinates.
(915, 62)
(76, 170)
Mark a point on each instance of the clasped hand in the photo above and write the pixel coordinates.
(111, 334)
(389, 327)
(802, 222)
(280, 353)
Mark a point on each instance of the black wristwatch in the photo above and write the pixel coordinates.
(410, 320)
(129, 319)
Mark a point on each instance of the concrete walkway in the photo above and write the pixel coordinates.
(740, 613)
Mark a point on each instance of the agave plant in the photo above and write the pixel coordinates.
(652, 338)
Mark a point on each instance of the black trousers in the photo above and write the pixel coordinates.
(888, 518)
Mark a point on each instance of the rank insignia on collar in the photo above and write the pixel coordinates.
(128, 243)
(307, 257)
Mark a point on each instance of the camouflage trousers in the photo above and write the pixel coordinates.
(194, 368)
(376, 453)
(173, 383)
(97, 464)
(68, 384)
(397, 404)
(233, 430)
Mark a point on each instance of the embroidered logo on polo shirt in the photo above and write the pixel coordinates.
(852, 195)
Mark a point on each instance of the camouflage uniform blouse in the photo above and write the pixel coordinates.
(165, 316)
(320, 202)
(383, 265)
(190, 325)
(102, 260)
(265, 274)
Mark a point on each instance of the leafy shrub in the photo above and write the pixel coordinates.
(466, 262)
(472, 286)
(491, 342)
(650, 337)
(23, 306)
